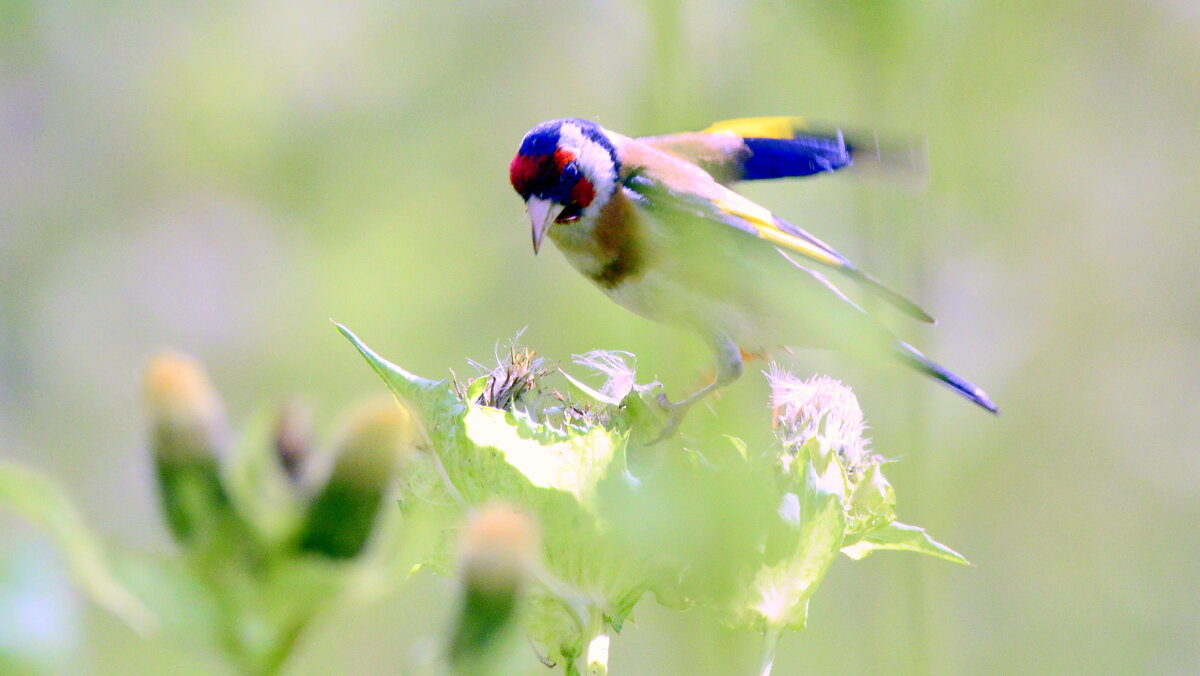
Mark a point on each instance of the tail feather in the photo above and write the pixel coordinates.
(909, 355)
(891, 297)
(850, 270)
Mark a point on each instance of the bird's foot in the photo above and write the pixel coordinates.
(669, 417)
(674, 417)
(657, 418)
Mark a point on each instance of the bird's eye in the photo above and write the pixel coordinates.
(569, 214)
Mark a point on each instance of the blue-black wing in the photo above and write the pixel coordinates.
(756, 148)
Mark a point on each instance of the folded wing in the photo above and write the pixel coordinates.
(665, 181)
(756, 148)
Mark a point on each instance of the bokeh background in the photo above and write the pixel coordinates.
(225, 177)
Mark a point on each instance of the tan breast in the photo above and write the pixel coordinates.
(613, 251)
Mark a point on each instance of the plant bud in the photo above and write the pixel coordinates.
(498, 552)
(293, 436)
(342, 516)
(187, 415)
(188, 432)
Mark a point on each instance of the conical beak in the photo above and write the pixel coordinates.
(542, 213)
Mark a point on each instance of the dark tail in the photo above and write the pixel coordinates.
(909, 355)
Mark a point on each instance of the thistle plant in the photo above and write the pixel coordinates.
(536, 490)
(833, 498)
(564, 458)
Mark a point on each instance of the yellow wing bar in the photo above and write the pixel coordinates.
(770, 228)
(760, 127)
(767, 227)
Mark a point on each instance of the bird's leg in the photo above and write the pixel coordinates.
(730, 365)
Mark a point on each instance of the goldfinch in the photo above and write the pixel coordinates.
(653, 223)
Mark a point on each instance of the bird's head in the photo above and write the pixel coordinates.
(566, 171)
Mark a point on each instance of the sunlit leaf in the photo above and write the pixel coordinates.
(816, 512)
(483, 453)
(476, 388)
(570, 461)
(902, 537)
(432, 400)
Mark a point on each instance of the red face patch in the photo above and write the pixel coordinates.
(522, 172)
(553, 176)
(582, 193)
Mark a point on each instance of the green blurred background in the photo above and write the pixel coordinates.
(224, 177)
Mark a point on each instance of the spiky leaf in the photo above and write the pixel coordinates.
(902, 537)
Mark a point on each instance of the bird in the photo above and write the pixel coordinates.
(654, 223)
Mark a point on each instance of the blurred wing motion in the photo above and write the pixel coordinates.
(664, 180)
(755, 148)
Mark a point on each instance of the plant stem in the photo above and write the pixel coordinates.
(596, 654)
(770, 642)
(273, 661)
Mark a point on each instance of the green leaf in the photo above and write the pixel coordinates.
(558, 475)
(432, 400)
(902, 537)
(872, 503)
(809, 530)
(701, 518)
(566, 461)
(476, 388)
(813, 519)
(35, 497)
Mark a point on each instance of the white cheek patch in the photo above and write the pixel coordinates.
(593, 161)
